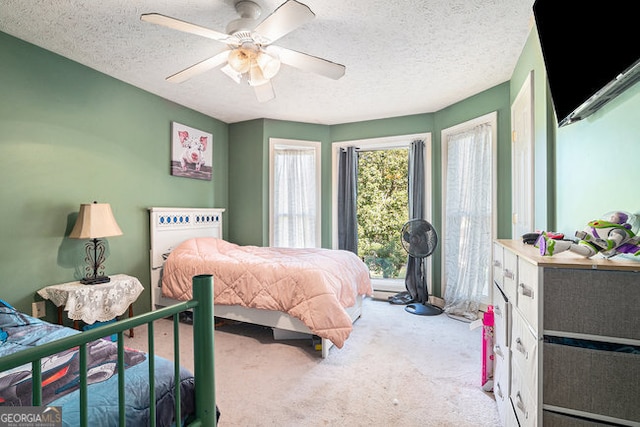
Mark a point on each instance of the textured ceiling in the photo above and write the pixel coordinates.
(402, 57)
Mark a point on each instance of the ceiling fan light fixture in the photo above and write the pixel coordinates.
(250, 55)
(269, 64)
(240, 59)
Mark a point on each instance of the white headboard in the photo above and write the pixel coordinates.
(171, 226)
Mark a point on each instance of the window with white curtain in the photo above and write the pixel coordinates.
(469, 214)
(294, 178)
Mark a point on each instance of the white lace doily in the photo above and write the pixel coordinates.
(95, 303)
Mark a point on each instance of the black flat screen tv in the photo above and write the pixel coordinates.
(591, 52)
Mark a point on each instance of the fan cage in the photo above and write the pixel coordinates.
(419, 238)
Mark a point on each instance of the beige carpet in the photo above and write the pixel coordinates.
(396, 369)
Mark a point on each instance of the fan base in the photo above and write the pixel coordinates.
(423, 309)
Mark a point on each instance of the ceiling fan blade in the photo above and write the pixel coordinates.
(176, 24)
(199, 68)
(286, 18)
(306, 62)
(264, 92)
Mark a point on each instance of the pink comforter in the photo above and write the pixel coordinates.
(313, 285)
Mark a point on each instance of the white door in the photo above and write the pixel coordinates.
(522, 217)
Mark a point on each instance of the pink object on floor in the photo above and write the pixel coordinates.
(487, 349)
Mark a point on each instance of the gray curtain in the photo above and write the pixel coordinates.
(347, 197)
(416, 180)
(415, 280)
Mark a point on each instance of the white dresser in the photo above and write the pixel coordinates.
(567, 338)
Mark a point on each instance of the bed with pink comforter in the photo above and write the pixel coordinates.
(313, 285)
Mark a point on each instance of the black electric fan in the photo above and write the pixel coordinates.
(419, 239)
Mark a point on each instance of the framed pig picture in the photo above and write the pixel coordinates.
(191, 152)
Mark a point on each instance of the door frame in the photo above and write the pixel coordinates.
(522, 132)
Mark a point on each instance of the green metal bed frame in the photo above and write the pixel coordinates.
(203, 354)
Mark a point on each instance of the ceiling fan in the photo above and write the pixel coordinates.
(250, 56)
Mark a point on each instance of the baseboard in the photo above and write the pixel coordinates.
(437, 301)
(383, 295)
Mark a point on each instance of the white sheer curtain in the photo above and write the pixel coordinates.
(294, 202)
(468, 220)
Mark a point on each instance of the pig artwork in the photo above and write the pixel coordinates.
(194, 149)
(191, 152)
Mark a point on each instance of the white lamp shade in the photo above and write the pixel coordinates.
(240, 59)
(256, 78)
(269, 65)
(95, 220)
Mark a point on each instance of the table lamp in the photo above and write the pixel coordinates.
(95, 221)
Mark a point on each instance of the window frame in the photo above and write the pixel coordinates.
(445, 134)
(383, 143)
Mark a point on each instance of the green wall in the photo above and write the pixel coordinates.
(70, 135)
(246, 183)
(392, 126)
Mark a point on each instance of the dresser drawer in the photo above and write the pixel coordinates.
(553, 419)
(524, 351)
(501, 317)
(528, 292)
(592, 302)
(592, 380)
(523, 398)
(524, 371)
(510, 275)
(502, 382)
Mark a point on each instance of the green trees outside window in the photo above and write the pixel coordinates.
(382, 210)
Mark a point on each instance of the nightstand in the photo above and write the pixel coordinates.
(94, 303)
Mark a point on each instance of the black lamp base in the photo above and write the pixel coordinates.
(95, 250)
(95, 280)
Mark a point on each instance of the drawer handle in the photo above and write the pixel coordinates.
(498, 351)
(497, 263)
(508, 274)
(520, 405)
(521, 348)
(526, 291)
